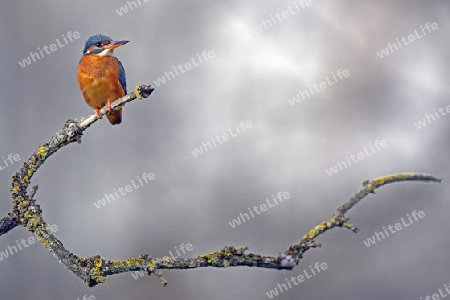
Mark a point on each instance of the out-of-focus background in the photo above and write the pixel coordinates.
(263, 54)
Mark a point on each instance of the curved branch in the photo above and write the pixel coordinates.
(93, 270)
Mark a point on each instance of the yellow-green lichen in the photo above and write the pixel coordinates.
(205, 256)
(137, 92)
(192, 264)
(133, 262)
(117, 264)
(379, 181)
(33, 223)
(126, 264)
(98, 262)
(24, 180)
(101, 279)
(321, 226)
(42, 151)
(96, 271)
(40, 234)
(24, 203)
(151, 266)
(348, 224)
(310, 235)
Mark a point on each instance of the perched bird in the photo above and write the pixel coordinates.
(101, 75)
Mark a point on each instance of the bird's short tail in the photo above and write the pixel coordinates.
(115, 116)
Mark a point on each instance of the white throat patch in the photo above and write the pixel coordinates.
(107, 52)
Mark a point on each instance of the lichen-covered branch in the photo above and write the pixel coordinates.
(94, 270)
(29, 214)
(338, 219)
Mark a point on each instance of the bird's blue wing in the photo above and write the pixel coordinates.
(122, 79)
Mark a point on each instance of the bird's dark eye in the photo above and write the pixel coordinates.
(99, 44)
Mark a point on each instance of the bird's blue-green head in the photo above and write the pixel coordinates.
(101, 45)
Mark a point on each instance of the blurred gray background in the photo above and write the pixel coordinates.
(251, 78)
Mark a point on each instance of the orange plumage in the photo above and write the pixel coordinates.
(98, 78)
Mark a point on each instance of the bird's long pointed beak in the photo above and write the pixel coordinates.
(114, 44)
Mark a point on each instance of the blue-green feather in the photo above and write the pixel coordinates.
(122, 79)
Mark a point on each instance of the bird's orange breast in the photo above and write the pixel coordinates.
(98, 77)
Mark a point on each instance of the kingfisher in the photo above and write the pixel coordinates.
(101, 76)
